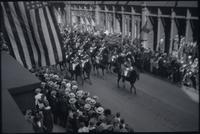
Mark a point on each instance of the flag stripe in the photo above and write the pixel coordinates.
(46, 37)
(25, 32)
(20, 35)
(37, 36)
(37, 16)
(51, 35)
(50, 10)
(32, 33)
(16, 36)
(8, 41)
(58, 43)
(34, 45)
(10, 36)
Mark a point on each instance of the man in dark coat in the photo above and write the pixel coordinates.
(53, 102)
(48, 119)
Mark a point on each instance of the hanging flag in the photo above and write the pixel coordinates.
(86, 21)
(92, 22)
(31, 32)
(145, 28)
(89, 20)
(82, 21)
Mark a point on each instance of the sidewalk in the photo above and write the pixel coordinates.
(192, 93)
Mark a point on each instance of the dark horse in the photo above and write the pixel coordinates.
(131, 78)
(76, 70)
(86, 69)
(101, 61)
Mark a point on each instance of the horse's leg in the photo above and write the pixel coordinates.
(97, 69)
(118, 79)
(123, 80)
(61, 64)
(131, 87)
(134, 88)
(82, 79)
(88, 74)
(102, 71)
(72, 75)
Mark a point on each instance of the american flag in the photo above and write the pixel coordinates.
(32, 33)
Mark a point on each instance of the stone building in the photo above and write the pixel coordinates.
(157, 23)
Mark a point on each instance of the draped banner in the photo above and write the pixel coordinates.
(31, 33)
(118, 26)
(150, 37)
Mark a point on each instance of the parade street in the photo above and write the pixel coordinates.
(158, 105)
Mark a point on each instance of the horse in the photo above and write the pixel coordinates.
(131, 78)
(75, 69)
(101, 61)
(86, 69)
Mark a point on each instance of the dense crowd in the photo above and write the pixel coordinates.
(180, 68)
(61, 101)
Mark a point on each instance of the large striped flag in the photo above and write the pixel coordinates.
(32, 33)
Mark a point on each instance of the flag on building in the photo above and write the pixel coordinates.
(32, 33)
(145, 28)
(92, 22)
(87, 22)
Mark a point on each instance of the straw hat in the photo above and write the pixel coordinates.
(64, 80)
(43, 83)
(87, 93)
(74, 82)
(53, 92)
(67, 89)
(68, 85)
(37, 90)
(38, 96)
(46, 75)
(100, 110)
(74, 87)
(87, 107)
(87, 100)
(72, 100)
(95, 97)
(79, 93)
(71, 95)
(63, 83)
(92, 102)
(51, 75)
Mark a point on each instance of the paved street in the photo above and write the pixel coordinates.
(158, 106)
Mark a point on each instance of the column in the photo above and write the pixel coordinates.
(188, 28)
(114, 19)
(106, 17)
(69, 14)
(128, 25)
(144, 19)
(133, 34)
(123, 21)
(158, 29)
(171, 31)
(97, 15)
(85, 16)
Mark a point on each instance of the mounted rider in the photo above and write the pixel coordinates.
(127, 68)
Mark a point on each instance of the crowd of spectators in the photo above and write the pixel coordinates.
(180, 66)
(61, 101)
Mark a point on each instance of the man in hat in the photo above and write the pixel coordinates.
(47, 119)
(53, 102)
(83, 128)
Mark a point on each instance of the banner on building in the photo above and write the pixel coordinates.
(32, 33)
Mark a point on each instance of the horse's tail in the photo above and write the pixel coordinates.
(137, 75)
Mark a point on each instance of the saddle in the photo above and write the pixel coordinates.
(126, 71)
(83, 63)
(74, 65)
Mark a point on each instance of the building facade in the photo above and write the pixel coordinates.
(159, 24)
